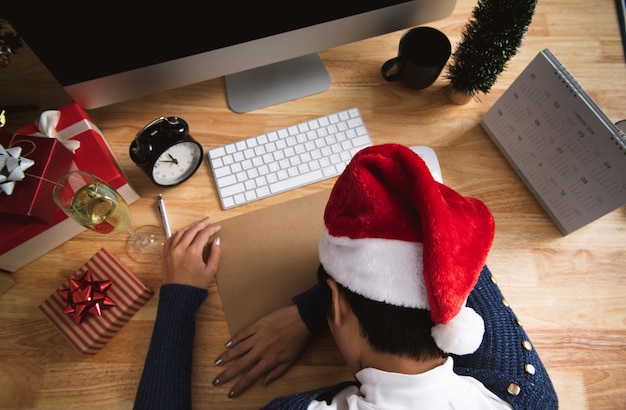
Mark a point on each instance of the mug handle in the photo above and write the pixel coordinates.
(397, 63)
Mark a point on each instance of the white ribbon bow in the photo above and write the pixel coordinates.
(47, 127)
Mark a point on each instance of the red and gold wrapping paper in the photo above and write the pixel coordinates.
(126, 291)
(31, 200)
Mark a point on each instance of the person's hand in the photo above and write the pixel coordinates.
(183, 260)
(264, 349)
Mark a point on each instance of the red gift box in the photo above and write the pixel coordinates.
(94, 154)
(126, 291)
(31, 200)
(21, 244)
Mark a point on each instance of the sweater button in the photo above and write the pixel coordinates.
(513, 389)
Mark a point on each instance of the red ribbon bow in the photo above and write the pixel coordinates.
(86, 296)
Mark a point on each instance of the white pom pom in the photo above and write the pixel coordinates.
(462, 335)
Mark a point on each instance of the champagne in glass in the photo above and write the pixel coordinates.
(100, 208)
(96, 205)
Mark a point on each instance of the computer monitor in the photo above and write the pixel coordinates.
(107, 52)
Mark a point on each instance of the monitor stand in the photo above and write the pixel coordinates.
(276, 83)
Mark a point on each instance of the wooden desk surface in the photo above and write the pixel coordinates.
(570, 292)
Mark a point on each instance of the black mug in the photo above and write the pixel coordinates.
(422, 54)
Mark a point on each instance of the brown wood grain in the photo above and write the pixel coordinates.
(570, 292)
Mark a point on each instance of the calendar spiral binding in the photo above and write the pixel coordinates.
(619, 135)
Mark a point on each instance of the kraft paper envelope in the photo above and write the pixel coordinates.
(269, 256)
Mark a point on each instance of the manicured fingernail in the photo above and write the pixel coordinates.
(217, 241)
(218, 361)
(229, 343)
(216, 382)
(231, 394)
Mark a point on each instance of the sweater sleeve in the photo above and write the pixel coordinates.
(311, 309)
(506, 362)
(166, 379)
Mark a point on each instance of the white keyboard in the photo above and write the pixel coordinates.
(288, 158)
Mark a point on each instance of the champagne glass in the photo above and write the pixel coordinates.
(96, 205)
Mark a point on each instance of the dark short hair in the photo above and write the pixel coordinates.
(389, 329)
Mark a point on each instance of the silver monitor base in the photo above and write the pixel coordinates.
(276, 83)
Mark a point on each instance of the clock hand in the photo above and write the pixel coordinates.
(174, 160)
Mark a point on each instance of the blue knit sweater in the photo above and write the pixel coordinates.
(506, 362)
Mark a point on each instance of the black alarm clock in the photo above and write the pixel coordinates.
(166, 152)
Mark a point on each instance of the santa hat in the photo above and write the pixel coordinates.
(395, 235)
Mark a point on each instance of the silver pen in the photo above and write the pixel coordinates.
(163, 213)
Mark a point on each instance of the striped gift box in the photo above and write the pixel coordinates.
(128, 293)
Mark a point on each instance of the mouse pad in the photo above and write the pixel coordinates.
(269, 256)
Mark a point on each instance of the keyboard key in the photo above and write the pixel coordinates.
(296, 182)
(221, 172)
(225, 181)
(232, 190)
(217, 152)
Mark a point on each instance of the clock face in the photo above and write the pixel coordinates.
(177, 163)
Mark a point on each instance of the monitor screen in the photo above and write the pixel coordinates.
(112, 51)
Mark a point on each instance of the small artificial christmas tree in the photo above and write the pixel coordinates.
(491, 37)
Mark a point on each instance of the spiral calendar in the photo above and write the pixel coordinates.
(564, 148)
